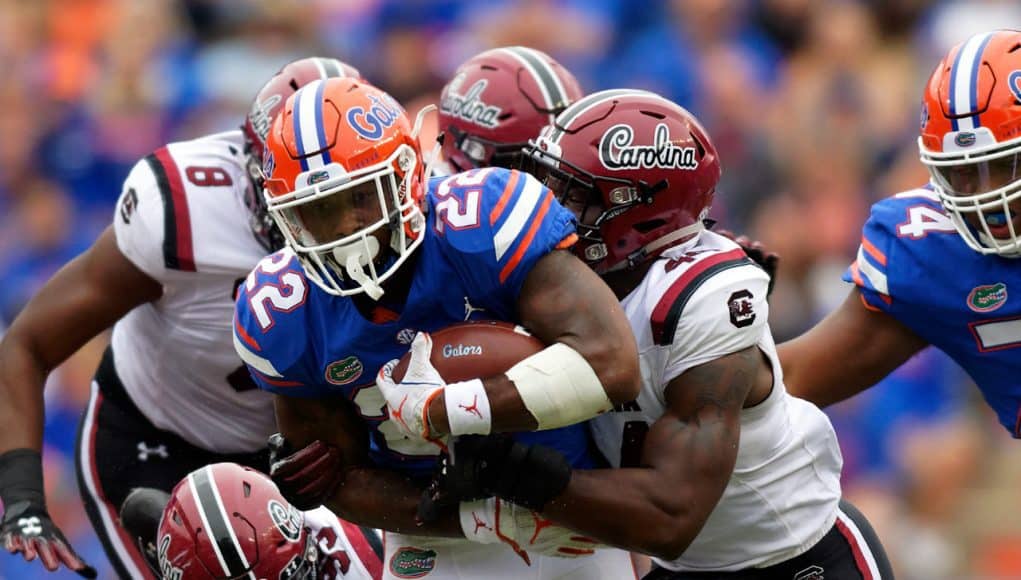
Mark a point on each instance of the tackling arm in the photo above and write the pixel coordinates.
(365, 495)
(849, 351)
(687, 459)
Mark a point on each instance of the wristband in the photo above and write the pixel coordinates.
(21, 479)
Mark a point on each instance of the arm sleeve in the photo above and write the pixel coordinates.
(139, 221)
(274, 343)
(870, 270)
(726, 314)
(519, 222)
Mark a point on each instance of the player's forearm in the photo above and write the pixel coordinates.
(386, 500)
(634, 509)
(21, 396)
(552, 388)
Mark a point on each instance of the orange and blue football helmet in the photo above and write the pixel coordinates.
(344, 180)
(971, 139)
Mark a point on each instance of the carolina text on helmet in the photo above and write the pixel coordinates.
(617, 152)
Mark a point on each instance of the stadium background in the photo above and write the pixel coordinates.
(813, 105)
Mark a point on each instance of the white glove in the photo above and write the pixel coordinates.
(408, 401)
(491, 520)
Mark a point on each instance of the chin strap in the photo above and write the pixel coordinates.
(432, 159)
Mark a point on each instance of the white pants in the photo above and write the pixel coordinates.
(449, 559)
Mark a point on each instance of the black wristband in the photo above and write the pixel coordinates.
(21, 478)
(531, 475)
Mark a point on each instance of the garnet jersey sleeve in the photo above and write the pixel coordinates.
(181, 207)
(495, 224)
(719, 305)
(270, 329)
(894, 244)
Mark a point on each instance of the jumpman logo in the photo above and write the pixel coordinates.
(473, 408)
(144, 451)
(480, 523)
(469, 309)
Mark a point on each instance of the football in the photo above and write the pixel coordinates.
(471, 350)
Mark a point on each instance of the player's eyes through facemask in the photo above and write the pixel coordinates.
(976, 178)
(341, 214)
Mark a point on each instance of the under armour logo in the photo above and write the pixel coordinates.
(30, 526)
(468, 309)
(813, 572)
(473, 408)
(144, 451)
(480, 523)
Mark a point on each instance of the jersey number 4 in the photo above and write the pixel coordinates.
(922, 220)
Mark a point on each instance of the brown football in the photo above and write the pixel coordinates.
(473, 350)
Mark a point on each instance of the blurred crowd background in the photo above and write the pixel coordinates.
(813, 104)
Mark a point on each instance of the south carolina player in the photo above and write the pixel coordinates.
(228, 521)
(375, 256)
(170, 394)
(937, 265)
(720, 473)
(497, 101)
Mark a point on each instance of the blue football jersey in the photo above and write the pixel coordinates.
(485, 230)
(912, 265)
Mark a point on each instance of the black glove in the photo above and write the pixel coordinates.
(306, 477)
(27, 527)
(495, 465)
(758, 253)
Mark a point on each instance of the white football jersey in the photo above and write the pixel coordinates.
(702, 301)
(181, 218)
(345, 551)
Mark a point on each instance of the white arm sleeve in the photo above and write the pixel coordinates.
(139, 221)
(727, 314)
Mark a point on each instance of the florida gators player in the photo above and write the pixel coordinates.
(720, 473)
(375, 255)
(170, 394)
(497, 101)
(938, 265)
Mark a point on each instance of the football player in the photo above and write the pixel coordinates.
(170, 394)
(719, 472)
(936, 264)
(228, 521)
(497, 101)
(375, 255)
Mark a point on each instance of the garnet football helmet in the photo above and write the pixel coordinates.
(227, 521)
(266, 105)
(499, 100)
(344, 182)
(638, 170)
(971, 139)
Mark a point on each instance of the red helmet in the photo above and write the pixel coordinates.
(499, 100)
(345, 183)
(971, 139)
(227, 521)
(266, 105)
(638, 170)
